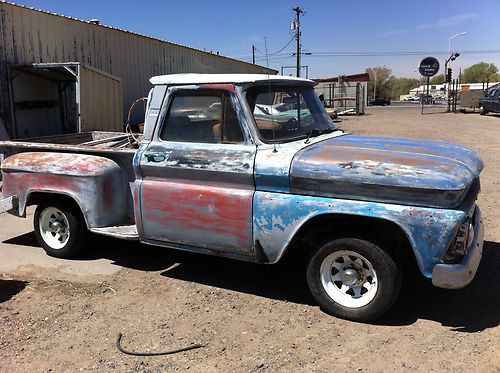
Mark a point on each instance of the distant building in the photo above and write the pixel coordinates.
(436, 90)
(345, 92)
(60, 74)
(439, 90)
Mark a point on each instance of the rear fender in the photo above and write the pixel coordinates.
(96, 184)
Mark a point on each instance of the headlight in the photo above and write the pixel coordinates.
(462, 240)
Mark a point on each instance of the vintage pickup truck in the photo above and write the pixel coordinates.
(490, 103)
(251, 167)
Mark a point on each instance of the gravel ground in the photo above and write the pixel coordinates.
(250, 317)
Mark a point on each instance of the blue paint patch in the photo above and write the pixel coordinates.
(278, 217)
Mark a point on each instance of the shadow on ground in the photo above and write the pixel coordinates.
(472, 309)
(282, 281)
(10, 288)
(27, 239)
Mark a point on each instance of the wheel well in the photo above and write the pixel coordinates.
(36, 198)
(384, 233)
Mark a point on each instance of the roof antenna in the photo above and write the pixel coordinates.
(271, 106)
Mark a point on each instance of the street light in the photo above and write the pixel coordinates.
(448, 62)
(451, 37)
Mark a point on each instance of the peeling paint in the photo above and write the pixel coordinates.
(201, 214)
(95, 183)
(395, 171)
(278, 217)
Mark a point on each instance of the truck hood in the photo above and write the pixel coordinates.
(404, 171)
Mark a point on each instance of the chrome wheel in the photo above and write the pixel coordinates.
(54, 227)
(349, 278)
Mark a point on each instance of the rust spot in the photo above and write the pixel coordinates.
(209, 209)
(58, 163)
(223, 87)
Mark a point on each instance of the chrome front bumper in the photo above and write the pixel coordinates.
(456, 276)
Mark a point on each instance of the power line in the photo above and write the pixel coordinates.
(281, 50)
(396, 53)
(375, 54)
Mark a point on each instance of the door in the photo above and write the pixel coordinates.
(490, 104)
(496, 101)
(198, 184)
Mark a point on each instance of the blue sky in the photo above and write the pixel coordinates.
(231, 27)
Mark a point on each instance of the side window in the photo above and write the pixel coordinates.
(203, 118)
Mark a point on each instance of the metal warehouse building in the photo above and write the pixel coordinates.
(60, 74)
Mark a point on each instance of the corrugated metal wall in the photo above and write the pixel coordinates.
(101, 101)
(30, 36)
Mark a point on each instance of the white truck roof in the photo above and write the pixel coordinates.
(220, 78)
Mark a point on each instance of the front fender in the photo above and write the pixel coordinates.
(96, 183)
(278, 217)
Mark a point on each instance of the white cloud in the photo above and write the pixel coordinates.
(448, 21)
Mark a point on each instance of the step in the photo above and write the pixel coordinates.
(125, 232)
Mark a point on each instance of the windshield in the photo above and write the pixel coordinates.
(288, 113)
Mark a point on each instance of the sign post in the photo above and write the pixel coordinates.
(428, 67)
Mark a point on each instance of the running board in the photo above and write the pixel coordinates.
(125, 232)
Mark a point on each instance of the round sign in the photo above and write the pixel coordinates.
(429, 66)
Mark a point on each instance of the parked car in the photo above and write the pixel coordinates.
(427, 100)
(410, 98)
(205, 177)
(490, 103)
(276, 116)
(380, 102)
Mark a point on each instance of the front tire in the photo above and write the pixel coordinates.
(60, 230)
(482, 111)
(353, 279)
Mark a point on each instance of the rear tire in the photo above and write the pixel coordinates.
(353, 279)
(60, 229)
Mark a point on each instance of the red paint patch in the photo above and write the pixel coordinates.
(223, 87)
(202, 214)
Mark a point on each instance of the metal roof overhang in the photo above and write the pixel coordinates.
(63, 72)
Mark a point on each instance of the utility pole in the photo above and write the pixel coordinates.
(298, 11)
(253, 54)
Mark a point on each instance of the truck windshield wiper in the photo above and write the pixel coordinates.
(318, 132)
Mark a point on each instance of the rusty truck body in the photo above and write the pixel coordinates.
(251, 167)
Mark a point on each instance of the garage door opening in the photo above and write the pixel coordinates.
(61, 98)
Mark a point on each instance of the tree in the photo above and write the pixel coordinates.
(480, 72)
(379, 76)
(437, 79)
(401, 86)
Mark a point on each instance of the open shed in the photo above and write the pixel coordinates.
(59, 98)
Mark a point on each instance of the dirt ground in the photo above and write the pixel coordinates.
(56, 318)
